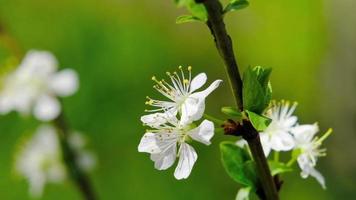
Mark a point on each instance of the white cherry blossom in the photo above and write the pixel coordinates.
(309, 150)
(182, 97)
(34, 85)
(277, 135)
(40, 160)
(162, 144)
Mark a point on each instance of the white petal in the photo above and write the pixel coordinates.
(241, 143)
(203, 133)
(165, 159)
(193, 107)
(149, 144)
(65, 82)
(266, 144)
(304, 133)
(37, 184)
(197, 82)
(155, 120)
(281, 141)
(39, 63)
(307, 170)
(317, 175)
(243, 194)
(47, 108)
(187, 158)
(203, 94)
(289, 122)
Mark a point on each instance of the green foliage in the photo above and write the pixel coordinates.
(235, 5)
(231, 111)
(238, 164)
(259, 122)
(198, 11)
(278, 167)
(257, 90)
(186, 18)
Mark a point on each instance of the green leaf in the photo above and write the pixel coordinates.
(186, 18)
(259, 122)
(234, 159)
(198, 11)
(257, 91)
(278, 168)
(236, 5)
(231, 111)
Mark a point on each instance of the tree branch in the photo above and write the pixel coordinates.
(224, 46)
(80, 178)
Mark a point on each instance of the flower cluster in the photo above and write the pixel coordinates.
(172, 121)
(34, 85)
(40, 159)
(284, 133)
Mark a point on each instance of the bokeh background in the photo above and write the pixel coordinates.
(117, 45)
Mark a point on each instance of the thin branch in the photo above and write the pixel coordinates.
(224, 45)
(69, 156)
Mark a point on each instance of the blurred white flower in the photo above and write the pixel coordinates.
(309, 150)
(40, 160)
(162, 142)
(277, 135)
(182, 98)
(85, 158)
(34, 85)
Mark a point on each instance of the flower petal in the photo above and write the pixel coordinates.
(203, 133)
(304, 133)
(193, 107)
(154, 120)
(197, 82)
(282, 141)
(47, 108)
(39, 63)
(203, 94)
(149, 144)
(187, 158)
(65, 82)
(165, 159)
(266, 145)
(307, 170)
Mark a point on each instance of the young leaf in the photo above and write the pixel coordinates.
(198, 10)
(231, 111)
(278, 167)
(252, 92)
(186, 18)
(236, 5)
(256, 89)
(233, 159)
(259, 122)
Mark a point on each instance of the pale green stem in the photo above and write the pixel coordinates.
(276, 156)
(213, 119)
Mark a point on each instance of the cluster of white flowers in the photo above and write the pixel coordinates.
(172, 122)
(40, 159)
(285, 134)
(34, 85)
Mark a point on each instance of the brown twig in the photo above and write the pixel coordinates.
(224, 46)
(70, 158)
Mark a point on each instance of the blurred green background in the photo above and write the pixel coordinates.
(117, 45)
